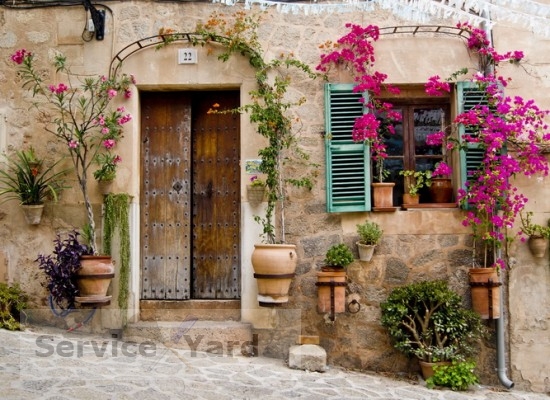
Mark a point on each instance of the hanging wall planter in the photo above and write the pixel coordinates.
(274, 267)
(33, 213)
(537, 245)
(331, 284)
(255, 194)
(485, 288)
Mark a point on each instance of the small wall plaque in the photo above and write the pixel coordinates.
(187, 56)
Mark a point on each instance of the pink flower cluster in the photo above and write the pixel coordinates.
(355, 51)
(511, 132)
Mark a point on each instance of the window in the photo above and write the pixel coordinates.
(348, 164)
(407, 148)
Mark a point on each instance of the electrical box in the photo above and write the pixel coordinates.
(187, 56)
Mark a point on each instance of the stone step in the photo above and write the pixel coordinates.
(221, 338)
(207, 310)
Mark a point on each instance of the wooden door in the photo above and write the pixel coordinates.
(190, 208)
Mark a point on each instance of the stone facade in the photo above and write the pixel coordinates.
(420, 244)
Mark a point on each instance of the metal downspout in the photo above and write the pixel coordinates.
(501, 346)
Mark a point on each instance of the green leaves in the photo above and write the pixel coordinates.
(427, 320)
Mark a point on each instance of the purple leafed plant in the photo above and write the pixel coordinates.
(61, 267)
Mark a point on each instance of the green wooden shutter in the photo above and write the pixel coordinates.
(347, 163)
(471, 155)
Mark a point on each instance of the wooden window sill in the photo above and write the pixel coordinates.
(428, 205)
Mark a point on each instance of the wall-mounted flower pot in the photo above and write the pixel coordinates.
(33, 213)
(485, 288)
(366, 251)
(274, 267)
(105, 187)
(255, 194)
(537, 246)
(331, 291)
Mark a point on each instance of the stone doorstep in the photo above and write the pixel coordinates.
(222, 338)
(208, 310)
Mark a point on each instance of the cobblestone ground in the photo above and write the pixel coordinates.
(41, 363)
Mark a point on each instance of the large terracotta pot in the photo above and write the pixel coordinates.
(94, 276)
(485, 287)
(327, 282)
(382, 194)
(441, 190)
(274, 267)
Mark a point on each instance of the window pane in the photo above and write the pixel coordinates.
(427, 121)
(393, 141)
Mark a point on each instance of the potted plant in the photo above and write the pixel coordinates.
(69, 276)
(106, 173)
(255, 190)
(382, 192)
(538, 235)
(457, 376)
(78, 115)
(25, 182)
(369, 236)
(414, 182)
(426, 320)
(331, 280)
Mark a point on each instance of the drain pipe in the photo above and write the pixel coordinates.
(501, 347)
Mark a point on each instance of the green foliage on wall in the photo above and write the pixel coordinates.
(116, 218)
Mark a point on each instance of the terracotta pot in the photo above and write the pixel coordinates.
(382, 194)
(33, 213)
(411, 198)
(255, 194)
(274, 267)
(427, 368)
(537, 245)
(94, 276)
(485, 287)
(441, 190)
(325, 279)
(366, 251)
(105, 187)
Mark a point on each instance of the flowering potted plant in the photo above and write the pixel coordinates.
(23, 180)
(106, 173)
(77, 113)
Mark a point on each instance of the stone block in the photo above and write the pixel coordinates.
(307, 339)
(309, 357)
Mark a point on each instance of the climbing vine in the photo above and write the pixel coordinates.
(116, 219)
(237, 35)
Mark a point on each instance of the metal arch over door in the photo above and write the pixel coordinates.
(190, 196)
